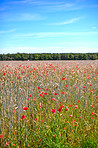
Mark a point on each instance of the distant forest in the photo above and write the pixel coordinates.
(48, 56)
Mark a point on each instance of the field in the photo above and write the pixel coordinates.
(49, 104)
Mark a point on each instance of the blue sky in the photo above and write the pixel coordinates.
(44, 26)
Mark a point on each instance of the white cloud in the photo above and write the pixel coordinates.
(93, 27)
(67, 22)
(5, 31)
(55, 34)
(24, 17)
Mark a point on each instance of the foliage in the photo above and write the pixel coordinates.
(49, 56)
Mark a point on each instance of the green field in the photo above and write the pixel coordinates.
(49, 104)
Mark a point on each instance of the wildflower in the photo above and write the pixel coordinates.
(78, 101)
(75, 125)
(1, 136)
(93, 113)
(92, 106)
(25, 108)
(45, 93)
(40, 95)
(76, 106)
(7, 143)
(60, 108)
(65, 85)
(53, 111)
(36, 119)
(54, 135)
(63, 78)
(63, 92)
(69, 105)
(40, 105)
(30, 95)
(14, 111)
(66, 109)
(23, 117)
(55, 94)
(53, 99)
(70, 115)
(39, 88)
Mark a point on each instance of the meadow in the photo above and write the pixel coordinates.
(49, 104)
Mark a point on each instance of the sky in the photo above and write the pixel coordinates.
(48, 26)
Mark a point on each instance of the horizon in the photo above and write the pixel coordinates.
(48, 26)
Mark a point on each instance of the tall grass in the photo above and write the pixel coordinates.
(49, 104)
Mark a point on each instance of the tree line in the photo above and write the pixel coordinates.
(48, 56)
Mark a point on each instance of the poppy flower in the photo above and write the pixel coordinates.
(93, 113)
(25, 108)
(45, 93)
(63, 78)
(40, 105)
(63, 92)
(41, 95)
(53, 99)
(69, 105)
(1, 136)
(66, 109)
(23, 117)
(55, 94)
(70, 115)
(30, 95)
(39, 88)
(36, 119)
(60, 108)
(92, 106)
(76, 106)
(53, 111)
(78, 101)
(7, 143)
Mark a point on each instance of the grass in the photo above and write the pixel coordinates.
(49, 104)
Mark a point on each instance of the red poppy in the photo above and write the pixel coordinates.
(70, 115)
(7, 143)
(76, 106)
(78, 101)
(63, 78)
(53, 99)
(60, 108)
(69, 105)
(45, 93)
(30, 95)
(53, 111)
(25, 108)
(1, 136)
(23, 117)
(66, 109)
(36, 119)
(93, 113)
(40, 95)
(39, 88)
(55, 94)
(63, 93)
(65, 85)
